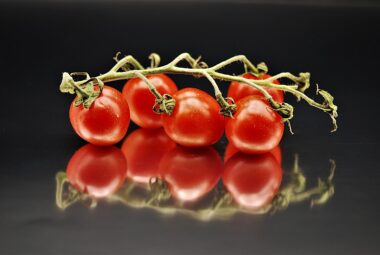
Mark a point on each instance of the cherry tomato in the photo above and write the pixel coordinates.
(232, 150)
(144, 149)
(105, 122)
(238, 90)
(141, 100)
(255, 127)
(195, 121)
(191, 172)
(252, 180)
(98, 171)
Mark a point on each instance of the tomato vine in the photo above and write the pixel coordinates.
(128, 67)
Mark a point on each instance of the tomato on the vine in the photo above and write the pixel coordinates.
(195, 120)
(231, 150)
(98, 171)
(141, 100)
(144, 149)
(105, 122)
(255, 127)
(238, 90)
(252, 180)
(191, 172)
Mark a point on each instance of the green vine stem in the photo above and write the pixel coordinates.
(128, 67)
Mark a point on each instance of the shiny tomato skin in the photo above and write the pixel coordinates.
(97, 170)
(195, 121)
(238, 90)
(106, 121)
(255, 127)
(141, 100)
(231, 150)
(191, 173)
(252, 180)
(144, 149)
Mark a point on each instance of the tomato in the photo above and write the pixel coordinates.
(255, 126)
(191, 172)
(238, 90)
(144, 149)
(98, 171)
(232, 150)
(195, 121)
(252, 180)
(105, 122)
(141, 100)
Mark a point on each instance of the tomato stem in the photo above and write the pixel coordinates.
(163, 104)
(131, 68)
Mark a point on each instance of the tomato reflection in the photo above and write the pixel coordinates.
(252, 180)
(191, 173)
(232, 150)
(97, 171)
(144, 149)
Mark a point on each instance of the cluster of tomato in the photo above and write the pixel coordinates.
(189, 173)
(195, 121)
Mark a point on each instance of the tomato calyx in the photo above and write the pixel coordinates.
(284, 109)
(164, 104)
(86, 92)
(227, 105)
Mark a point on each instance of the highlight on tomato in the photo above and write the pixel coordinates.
(255, 127)
(195, 120)
(97, 171)
(238, 90)
(191, 173)
(141, 100)
(252, 180)
(105, 122)
(144, 149)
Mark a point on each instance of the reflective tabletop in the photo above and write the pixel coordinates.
(317, 193)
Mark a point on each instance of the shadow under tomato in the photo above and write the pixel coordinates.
(190, 173)
(231, 150)
(252, 180)
(97, 171)
(144, 149)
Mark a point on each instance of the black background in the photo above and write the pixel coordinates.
(338, 44)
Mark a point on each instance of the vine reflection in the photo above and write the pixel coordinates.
(193, 182)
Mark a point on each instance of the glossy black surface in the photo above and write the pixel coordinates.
(338, 45)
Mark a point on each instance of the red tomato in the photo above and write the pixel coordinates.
(232, 150)
(141, 100)
(144, 149)
(191, 172)
(98, 171)
(255, 128)
(252, 180)
(105, 122)
(238, 90)
(195, 121)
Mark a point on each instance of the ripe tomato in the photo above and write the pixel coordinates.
(238, 90)
(144, 149)
(256, 127)
(105, 122)
(191, 172)
(141, 100)
(98, 171)
(252, 180)
(195, 121)
(232, 150)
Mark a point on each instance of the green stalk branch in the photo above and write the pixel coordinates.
(299, 84)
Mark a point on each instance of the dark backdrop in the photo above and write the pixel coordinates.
(337, 43)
